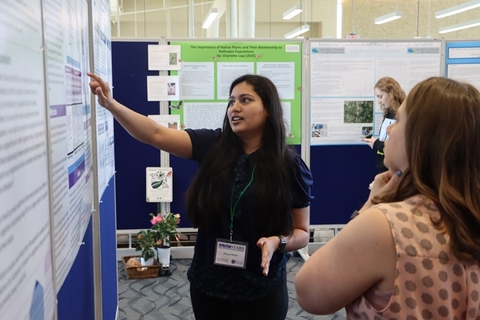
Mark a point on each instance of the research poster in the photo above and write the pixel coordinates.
(26, 272)
(102, 49)
(463, 61)
(209, 67)
(67, 57)
(162, 88)
(164, 57)
(159, 184)
(342, 79)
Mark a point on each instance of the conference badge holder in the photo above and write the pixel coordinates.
(231, 253)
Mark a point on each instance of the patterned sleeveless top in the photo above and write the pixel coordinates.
(431, 283)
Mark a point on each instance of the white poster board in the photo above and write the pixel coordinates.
(164, 57)
(342, 79)
(162, 88)
(463, 61)
(26, 281)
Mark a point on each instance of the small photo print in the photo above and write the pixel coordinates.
(319, 130)
(366, 131)
(173, 58)
(173, 125)
(358, 111)
(171, 89)
(159, 179)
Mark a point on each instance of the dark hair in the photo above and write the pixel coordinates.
(442, 138)
(204, 196)
(391, 86)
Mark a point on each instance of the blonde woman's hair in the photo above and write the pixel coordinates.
(391, 86)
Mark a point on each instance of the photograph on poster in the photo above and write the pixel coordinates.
(358, 111)
(173, 59)
(319, 130)
(158, 180)
(162, 88)
(367, 131)
(173, 125)
(171, 89)
(163, 57)
(167, 120)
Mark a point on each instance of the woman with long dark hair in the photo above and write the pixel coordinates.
(249, 199)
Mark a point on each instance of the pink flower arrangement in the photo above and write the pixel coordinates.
(164, 225)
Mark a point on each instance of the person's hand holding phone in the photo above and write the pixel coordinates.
(369, 140)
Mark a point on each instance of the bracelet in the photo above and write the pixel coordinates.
(283, 243)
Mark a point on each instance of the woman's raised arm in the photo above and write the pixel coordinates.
(142, 128)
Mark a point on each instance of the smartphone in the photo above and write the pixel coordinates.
(367, 136)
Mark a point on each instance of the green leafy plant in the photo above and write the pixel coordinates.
(146, 242)
(164, 225)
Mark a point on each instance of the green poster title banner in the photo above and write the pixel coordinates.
(237, 50)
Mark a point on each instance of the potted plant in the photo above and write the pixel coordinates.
(164, 225)
(146, 242)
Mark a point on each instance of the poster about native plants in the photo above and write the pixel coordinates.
(209, 67)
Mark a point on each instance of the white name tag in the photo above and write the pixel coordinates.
(231, 254)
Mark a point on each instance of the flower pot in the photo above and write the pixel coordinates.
(149, 262)
(164, 256)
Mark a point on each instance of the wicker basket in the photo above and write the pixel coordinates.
(141, 272)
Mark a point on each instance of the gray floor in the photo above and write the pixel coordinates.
(167, 298)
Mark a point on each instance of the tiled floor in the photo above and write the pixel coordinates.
(168, 298)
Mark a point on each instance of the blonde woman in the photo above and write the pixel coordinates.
(389, 96)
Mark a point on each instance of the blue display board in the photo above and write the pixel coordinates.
(108, 252)
(130, 71)
(76, 297)
(341, 175)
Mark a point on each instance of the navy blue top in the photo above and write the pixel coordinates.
(229, 282)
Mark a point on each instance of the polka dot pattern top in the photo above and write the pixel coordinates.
(431, 283)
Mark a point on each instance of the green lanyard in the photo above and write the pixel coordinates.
(233, 208)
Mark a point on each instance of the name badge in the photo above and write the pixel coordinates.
(231, 254)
